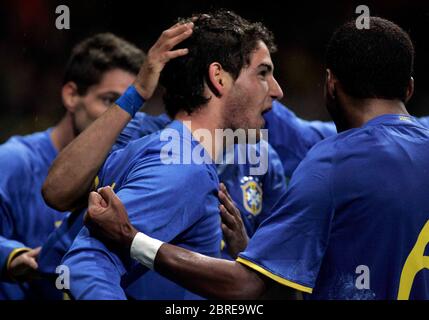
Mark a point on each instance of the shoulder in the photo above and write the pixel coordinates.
(158, 122)
(15, 157)
(337, 154)
(278, 115)
(337, 143)
(154, 159)
(16, 165)
(148, 124)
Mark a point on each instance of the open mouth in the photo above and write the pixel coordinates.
(266, 110)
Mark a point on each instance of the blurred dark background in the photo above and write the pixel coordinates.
(33, 52)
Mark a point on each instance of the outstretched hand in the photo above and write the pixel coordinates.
(233, 229)
(107, 218)
(159, 54)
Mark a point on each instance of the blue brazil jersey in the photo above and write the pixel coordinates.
(292, 137)
(61, 239)
(173, 202)
(254, 195)
(354, 223)
(25, 219)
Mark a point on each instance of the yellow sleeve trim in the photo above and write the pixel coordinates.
(96, 182)
(274, 277)
(13, 254)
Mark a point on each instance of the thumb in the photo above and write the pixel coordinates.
(109, 195)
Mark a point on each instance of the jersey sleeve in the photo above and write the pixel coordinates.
(293, 137)
(290, 244)
(141, 125)
(164, 205)
(424, 121)
(15, 178)
(162, 201)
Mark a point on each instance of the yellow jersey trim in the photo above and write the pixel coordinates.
(96, 182)
(274, 277)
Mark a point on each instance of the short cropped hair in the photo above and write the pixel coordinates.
(372, 63)
(96, 55)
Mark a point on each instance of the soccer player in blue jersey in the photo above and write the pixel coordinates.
(354, 223)
(292, 137)
(253, 194)
(99, 70)
(243, 86)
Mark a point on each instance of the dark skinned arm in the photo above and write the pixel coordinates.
(107, 219)
(209, 277)
(72, 174)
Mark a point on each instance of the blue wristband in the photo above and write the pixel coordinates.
(131, 101)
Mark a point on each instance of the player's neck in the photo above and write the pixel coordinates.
(359, 113)
(63, 133)
(200, 123)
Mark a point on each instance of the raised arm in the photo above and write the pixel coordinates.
(72, 173)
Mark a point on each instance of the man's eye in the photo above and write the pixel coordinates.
(108, 101)
(263, 73)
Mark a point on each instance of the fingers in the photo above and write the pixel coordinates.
(31, 262)
(227, 218)
(96, 205)
(179, 38)
(94, 199)
(225, 191)
(170, 38)
(107, 194)
(229, 204)
(27, 259)
(176, 53)
(178, 29)
(227, 233)
(35, 252)
(111, 198)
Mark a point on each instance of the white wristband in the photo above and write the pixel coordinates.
(144, 249)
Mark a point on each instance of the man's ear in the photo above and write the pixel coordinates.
(70, 96)
(217, 78)
(410, 90)
(331, 82)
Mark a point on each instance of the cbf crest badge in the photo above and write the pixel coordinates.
(252, 195)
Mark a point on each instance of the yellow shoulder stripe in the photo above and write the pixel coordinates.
(274, 277)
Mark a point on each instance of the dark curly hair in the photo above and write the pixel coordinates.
(372, 63)
(221, 36)
(95, 55)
